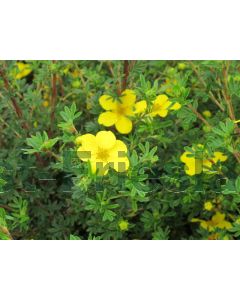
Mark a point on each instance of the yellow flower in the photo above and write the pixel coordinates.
(207, 113)
(195, 166)
(23, 70)
(208, 205)
(219, 156)
(175, 106)
(123, 225)
(217, 221)
(192, 166)
(45, 104)
(103, 151)
(237, 121)
(118, 112)
(162, 105)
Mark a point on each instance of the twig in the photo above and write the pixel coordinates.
(226, 94)
(199, 115)
(16, 107)
(53, 98)
(126, 74)
(5, 123)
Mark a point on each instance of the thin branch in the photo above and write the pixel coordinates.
(125, 74)
(15, 105)
(226, 93)
(53, 97)
(200, 116)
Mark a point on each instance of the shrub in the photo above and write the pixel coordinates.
(119, 150)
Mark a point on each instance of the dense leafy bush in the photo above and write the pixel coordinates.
(119, 150)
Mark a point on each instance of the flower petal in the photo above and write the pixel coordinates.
(128, 98)
(161, 99)
(124, 125)
(84, 154)
(162, 113)
(107, 102)
(176, 106)
(107, 118)
(219, 156)
(105, 139)
(140, 107)
(88, 141)
(118, 156)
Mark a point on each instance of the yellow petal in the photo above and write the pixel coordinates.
(107, 118)
(124, 125)
(88, 141)
(105, 139)
(193, 167)
(107, 102)
(128, 98)
(176, 106)
(140, 107)
(100, 167)
(84, 154)
(162, 113)
(219, 156)
(161, 99)
(118, 156)
(185, 157)
(218, 217)
(24, 70)
(207, 165)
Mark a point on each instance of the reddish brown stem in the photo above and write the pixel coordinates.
(126, 74)
(53, 98)
(15, 105)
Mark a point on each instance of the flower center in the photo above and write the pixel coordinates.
(102, 154)
(121, 110)
(157, 107)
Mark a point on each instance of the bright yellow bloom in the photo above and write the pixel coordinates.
(208, 205)
(217, 221)
(219, 156)
(118, 112)
(195, 166)
(162, 105)
(123, 225)
(23, 70)
(207, 113)
(103, 151)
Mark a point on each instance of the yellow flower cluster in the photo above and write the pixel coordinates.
(103, 151)
(118, 112)
(217, 221)
(195, 166)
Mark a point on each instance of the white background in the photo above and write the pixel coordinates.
(125, 29)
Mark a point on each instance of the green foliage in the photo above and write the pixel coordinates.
(47, 192)
(40, 142)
